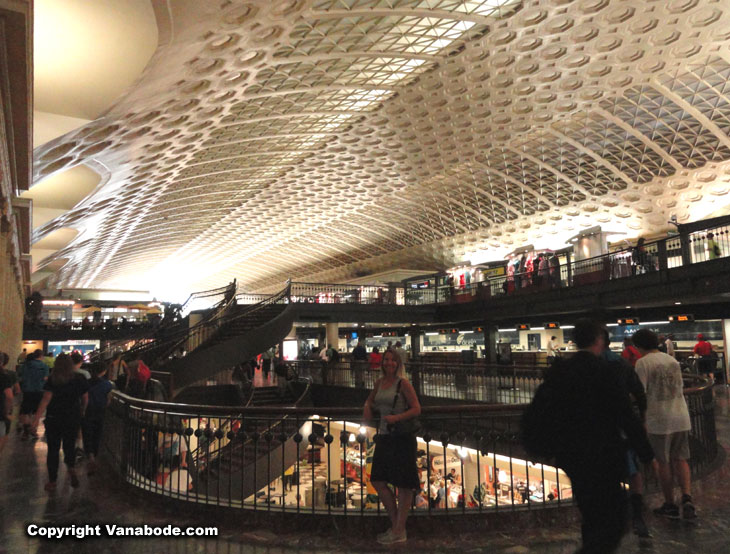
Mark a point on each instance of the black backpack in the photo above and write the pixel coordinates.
(543, 425)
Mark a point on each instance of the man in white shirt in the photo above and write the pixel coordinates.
(552, 350)
(403, 355)
(667, 422)
(670, 345)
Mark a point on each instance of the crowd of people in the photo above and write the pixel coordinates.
(601, 417)
(72, 396)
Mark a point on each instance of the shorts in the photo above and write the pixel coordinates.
(674, 446)
(30, 402)
(394, 461)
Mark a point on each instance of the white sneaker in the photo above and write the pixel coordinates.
(384, 536)
(393, 538)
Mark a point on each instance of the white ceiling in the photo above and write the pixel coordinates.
(322, 139)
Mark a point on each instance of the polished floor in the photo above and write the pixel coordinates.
(100, 500)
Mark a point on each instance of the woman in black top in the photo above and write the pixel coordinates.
(65, 397)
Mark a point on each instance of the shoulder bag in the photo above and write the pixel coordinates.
(409, 426)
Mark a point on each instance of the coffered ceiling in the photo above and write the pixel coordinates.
(326, 139)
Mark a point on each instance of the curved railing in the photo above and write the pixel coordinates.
(171, 338)
(469, 382)
(317, 460)
(673, 251)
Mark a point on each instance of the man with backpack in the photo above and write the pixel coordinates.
(577, 418)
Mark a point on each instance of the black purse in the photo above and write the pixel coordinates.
(406, 427)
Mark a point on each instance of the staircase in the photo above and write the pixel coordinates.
(270, 396)
(244, 466)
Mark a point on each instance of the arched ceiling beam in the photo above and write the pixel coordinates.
(323, 88)
(282, 60)
(515, 182)
(402, 12)
(591, 154)
(694, 112)
(646, 141)
(551, 169)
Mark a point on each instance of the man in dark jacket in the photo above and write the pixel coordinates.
(632, 385)
(594, 416)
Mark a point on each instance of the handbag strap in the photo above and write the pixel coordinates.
(395, 396)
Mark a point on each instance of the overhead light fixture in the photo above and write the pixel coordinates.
(677, 303)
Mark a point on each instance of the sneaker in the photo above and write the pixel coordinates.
(50, 486)
(394, 539)
(384, 536)
(688, 510)
(667, 510)
(640, 528)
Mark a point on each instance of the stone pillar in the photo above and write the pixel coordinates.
(415, 340)
(333, 335)
(491, 335)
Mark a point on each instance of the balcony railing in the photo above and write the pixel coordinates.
(317, 460)
(667, 253)
(479, 382)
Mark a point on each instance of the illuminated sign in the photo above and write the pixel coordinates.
(421, 285)
(390, 333)
(448, 331)
(628, 321)
(682, 318)
(478, 329)
(493, 272)
(523, 326)
(552, 325)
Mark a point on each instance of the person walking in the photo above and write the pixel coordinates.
(579, 416)
(631, 383)
(34, 374)
(98, 399)
(64, 400)
(7, 383)
(394, 459)
(667, 422)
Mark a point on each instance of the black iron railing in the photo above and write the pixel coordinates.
(479, 382)
(670, 252)
(317, 460)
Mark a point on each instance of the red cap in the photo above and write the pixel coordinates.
(700, 337)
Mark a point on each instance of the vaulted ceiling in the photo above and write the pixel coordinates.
(323, 139)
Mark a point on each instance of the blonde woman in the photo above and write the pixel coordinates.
(394, 462)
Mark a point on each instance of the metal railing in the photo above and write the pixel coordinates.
(478, 382)
(670, 252)
(317, 460)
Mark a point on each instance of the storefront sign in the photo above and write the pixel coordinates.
(552, 325)
(390, 333)
(629, 321)
(493, 272)
(448, 331)
(523, 326)
(421, 285)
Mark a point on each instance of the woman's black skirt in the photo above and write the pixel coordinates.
(394, 461)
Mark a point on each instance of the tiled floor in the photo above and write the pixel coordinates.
(101, 500)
